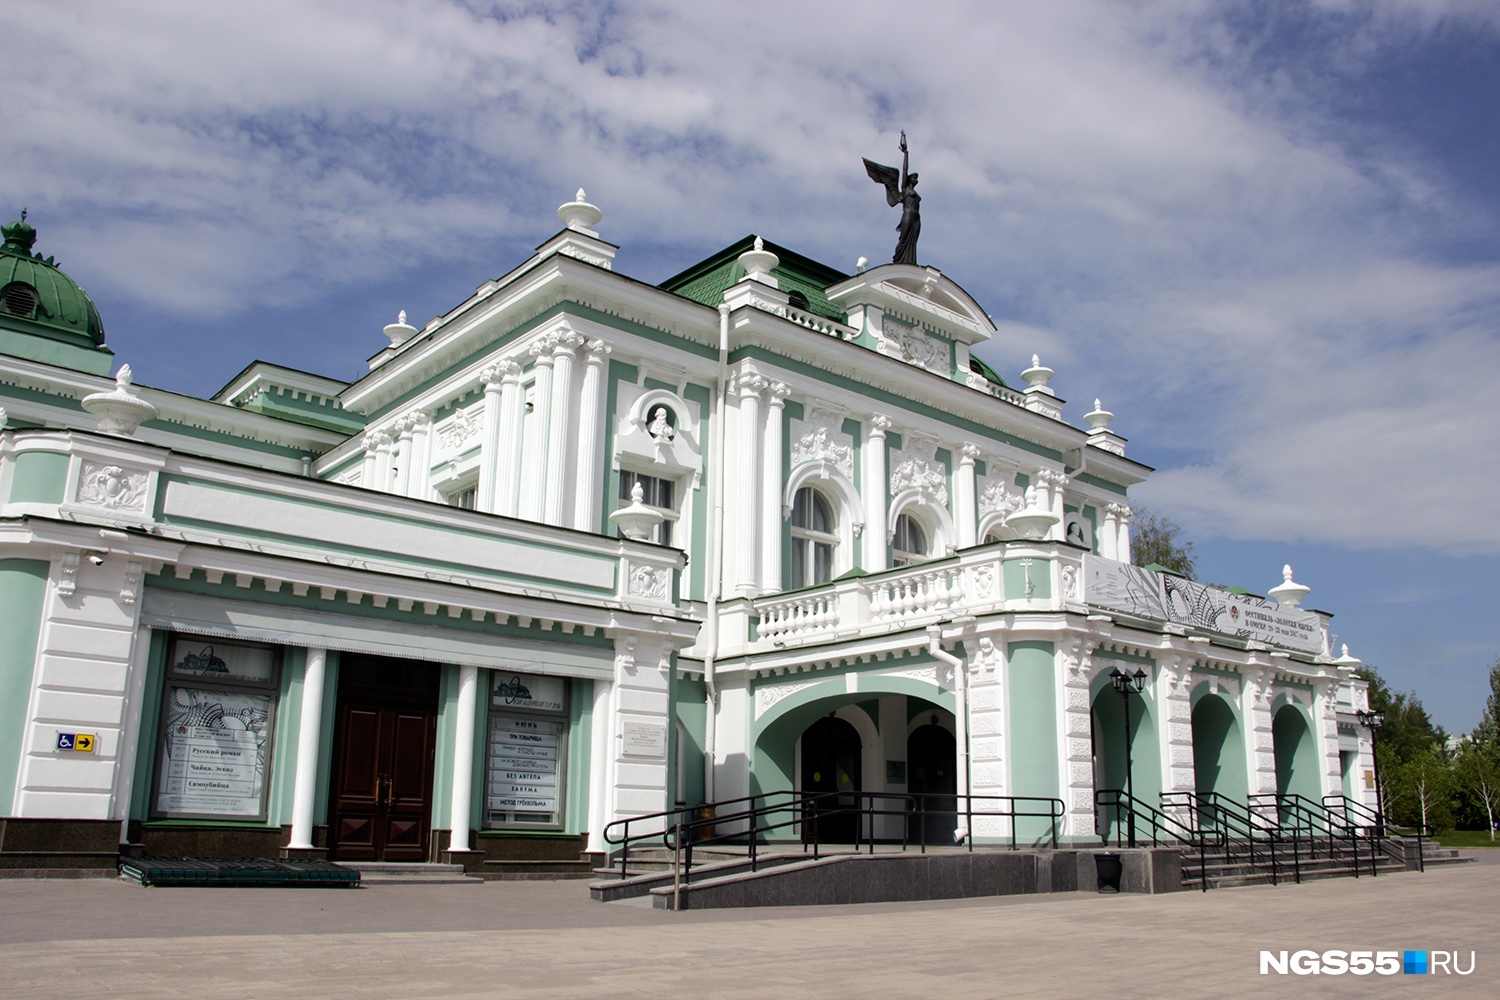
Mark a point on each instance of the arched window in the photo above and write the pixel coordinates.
(909, 545)
(813, 539)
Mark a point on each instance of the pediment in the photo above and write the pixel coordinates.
(921, 296)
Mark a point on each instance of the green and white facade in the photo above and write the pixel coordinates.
(394, 618)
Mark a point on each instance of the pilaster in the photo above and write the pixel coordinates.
(874, 491)
(966, 500)
(1076, 735)
(771, 489)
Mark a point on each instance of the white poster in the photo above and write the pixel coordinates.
(1165, 597)
(213, 759)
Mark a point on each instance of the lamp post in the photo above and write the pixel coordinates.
(1125, 684)
(1373, 721)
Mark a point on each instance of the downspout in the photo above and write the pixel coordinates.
(960, 720)
(715, 564)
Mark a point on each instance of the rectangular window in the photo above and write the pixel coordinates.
(218, 717)
(526, 758)
(465, 498)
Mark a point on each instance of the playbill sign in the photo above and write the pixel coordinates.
(1118, 585)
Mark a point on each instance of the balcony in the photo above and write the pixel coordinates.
(1028, 577)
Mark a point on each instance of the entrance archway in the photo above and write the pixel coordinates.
(1218, 750)
(831, 751)
(932, 777)
(1296, 756)
(1109, 738)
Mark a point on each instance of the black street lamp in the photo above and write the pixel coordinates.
(1373, 721)
(1125, 684)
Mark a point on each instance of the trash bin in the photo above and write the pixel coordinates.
(706, 832)
(1109, 868)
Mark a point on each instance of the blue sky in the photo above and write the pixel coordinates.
(1264, 234)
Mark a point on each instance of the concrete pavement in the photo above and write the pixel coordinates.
(92, 938)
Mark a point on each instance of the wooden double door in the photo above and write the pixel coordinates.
(385, 739)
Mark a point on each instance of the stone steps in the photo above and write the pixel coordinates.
(409, 873)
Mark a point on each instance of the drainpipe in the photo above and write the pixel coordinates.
(715, 567)
(960, 719)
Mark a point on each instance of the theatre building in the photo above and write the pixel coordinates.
(585, 548)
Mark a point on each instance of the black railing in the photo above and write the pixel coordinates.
(1341, 838)
(1246, 836)
(752, 820)
(1162, 825)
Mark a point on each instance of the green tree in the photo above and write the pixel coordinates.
(1408, 729)
(1477, 772)
(1487, 733)
(1409, 750)
(1423, 790)
(1156, 538)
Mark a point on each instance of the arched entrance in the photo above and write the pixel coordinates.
(1296, 756)
(1109, 739)
(932, 777)
(1218, 750)
(831, 763)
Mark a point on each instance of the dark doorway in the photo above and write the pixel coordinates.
(384, 737)
(830, 764)
(932, 777)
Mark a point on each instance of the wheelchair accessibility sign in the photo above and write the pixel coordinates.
(76, 742)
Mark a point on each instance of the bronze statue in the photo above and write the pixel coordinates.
(901, 188)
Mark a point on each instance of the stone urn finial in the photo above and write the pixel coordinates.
(1038, 375)
(637, 521)
(579, 216)
(1289, 593)
(1098, 418)
(758, 263)
(400, 331)
(120, 411)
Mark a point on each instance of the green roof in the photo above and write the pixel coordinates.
(37, 296)
(800, 277)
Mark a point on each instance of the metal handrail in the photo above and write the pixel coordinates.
(762, 813)
(1161, 825)
(1238, 821)
(1318, 814)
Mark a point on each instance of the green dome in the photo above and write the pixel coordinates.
(37, 297)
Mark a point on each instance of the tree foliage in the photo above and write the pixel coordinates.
(1156, 538)
(1476, 771)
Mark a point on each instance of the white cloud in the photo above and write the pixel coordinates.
(1134, 191)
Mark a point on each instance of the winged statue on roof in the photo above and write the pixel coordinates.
(901, 189)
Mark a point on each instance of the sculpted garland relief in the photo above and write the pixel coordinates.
(923, 476)
(911, 345)
(112, 486)
(649, 582)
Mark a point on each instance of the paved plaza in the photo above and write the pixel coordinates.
(95, 938)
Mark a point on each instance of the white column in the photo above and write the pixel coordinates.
(966, 502)
(600, 731)
(463, 759)
(419, 469)
(1109, 531)
(590, 475)
(508, 454)
(772, 489)
(747, 524)
(403, 427)
(367, 473)
(130, 731)
(1122, 536)
(560, 428)
(876, 485)
(537, 448)
(385, 446)
(489, 445)
(309, 727)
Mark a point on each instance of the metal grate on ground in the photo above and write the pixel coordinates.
(268, 872)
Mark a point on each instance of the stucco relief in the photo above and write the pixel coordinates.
(1182, 756)
(1180, 732)
(351, 478)
(649, 582)
(1263, 740)
(1070, 582)
(821, 438)
(1080, 750)
(984, 580)
(112, 487)
(455, 432)
(997, 495)
(911, 345)
(922, 476)
(1080, 773)
(767, 695)
(988, 748)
